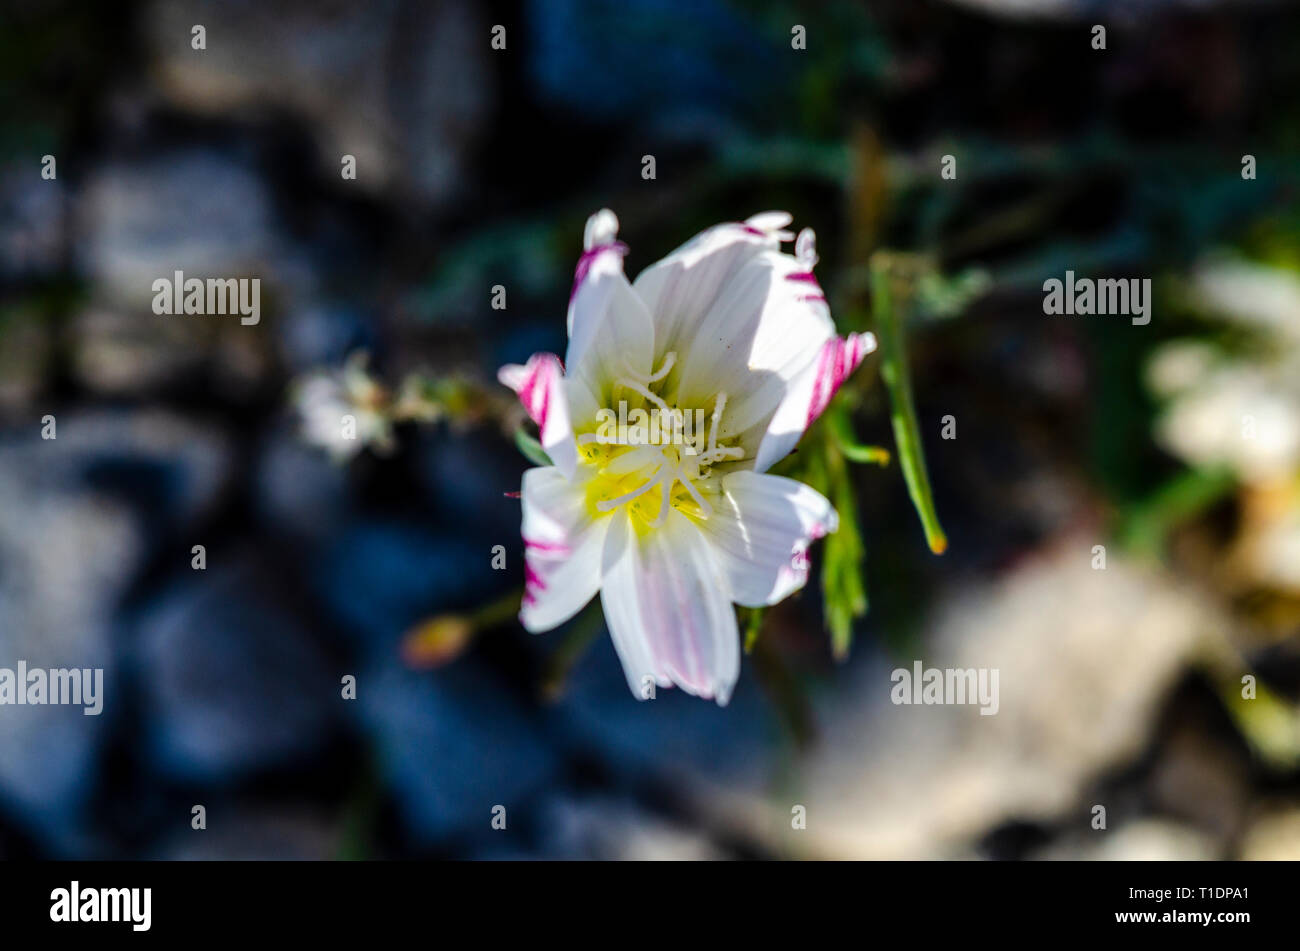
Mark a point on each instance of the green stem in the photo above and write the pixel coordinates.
(753, 625)
(579, 636)
(853, 450)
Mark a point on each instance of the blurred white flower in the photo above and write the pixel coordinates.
(1179, 366)
(1269, 552)
(1240, 416)
(343, 411)
(1238, 412)
(1265, 297)
(728, 330)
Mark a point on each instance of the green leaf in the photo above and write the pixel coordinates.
(531, 448)
(1146, 525)
(907, 434)
(844, 594)
(1269, 722)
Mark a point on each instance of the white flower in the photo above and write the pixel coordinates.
(726, 331)
(1239, 415)
(1242, 412)
(343, 411)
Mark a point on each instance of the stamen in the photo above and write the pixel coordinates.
(673, 422)
(643, 391)
(634, 460)
(717, 418)
(608, 505)
(666, 463)
(664, 501)
(669, 358)
(719, 453)
(705, 508)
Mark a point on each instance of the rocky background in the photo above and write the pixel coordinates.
(476, 167)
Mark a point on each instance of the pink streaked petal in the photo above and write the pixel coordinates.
(540, 385)
(770, 224)
(553, 548)
(809, 394)
(610, 329)
(530, 381)
(760, 532)
(772, 236)
(666, 604)
(534, 584)
(562, 548)
(588, 258)
(753, 342)
(840, 356)
(807, 277)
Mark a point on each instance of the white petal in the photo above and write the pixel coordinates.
(760, 531)
(601, 229)
(766, 328)
(680, 289)
(540, 385)
(562, 549)
(610, 330)
(773, 222)
(668, 609)
(809, 394)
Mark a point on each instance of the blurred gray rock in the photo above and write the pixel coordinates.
(67, 553)
(300, 491)
(720, 760)
(1141, 840)
(467, 475)
(452, 745)
(195, 211)
(404, 87)
(33, 242)
(173, 469)
(1099, 11)
(1085, 659)
(32, 221)
(682, 82)
(246, 833)
(135, 353)
(380, 577)
(609, 829)
(319, 335)
(233, 682)
(25, 351)
(1273, 834)
(192, 210)
(1202, 782)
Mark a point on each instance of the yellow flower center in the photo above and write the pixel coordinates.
(654, 456)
